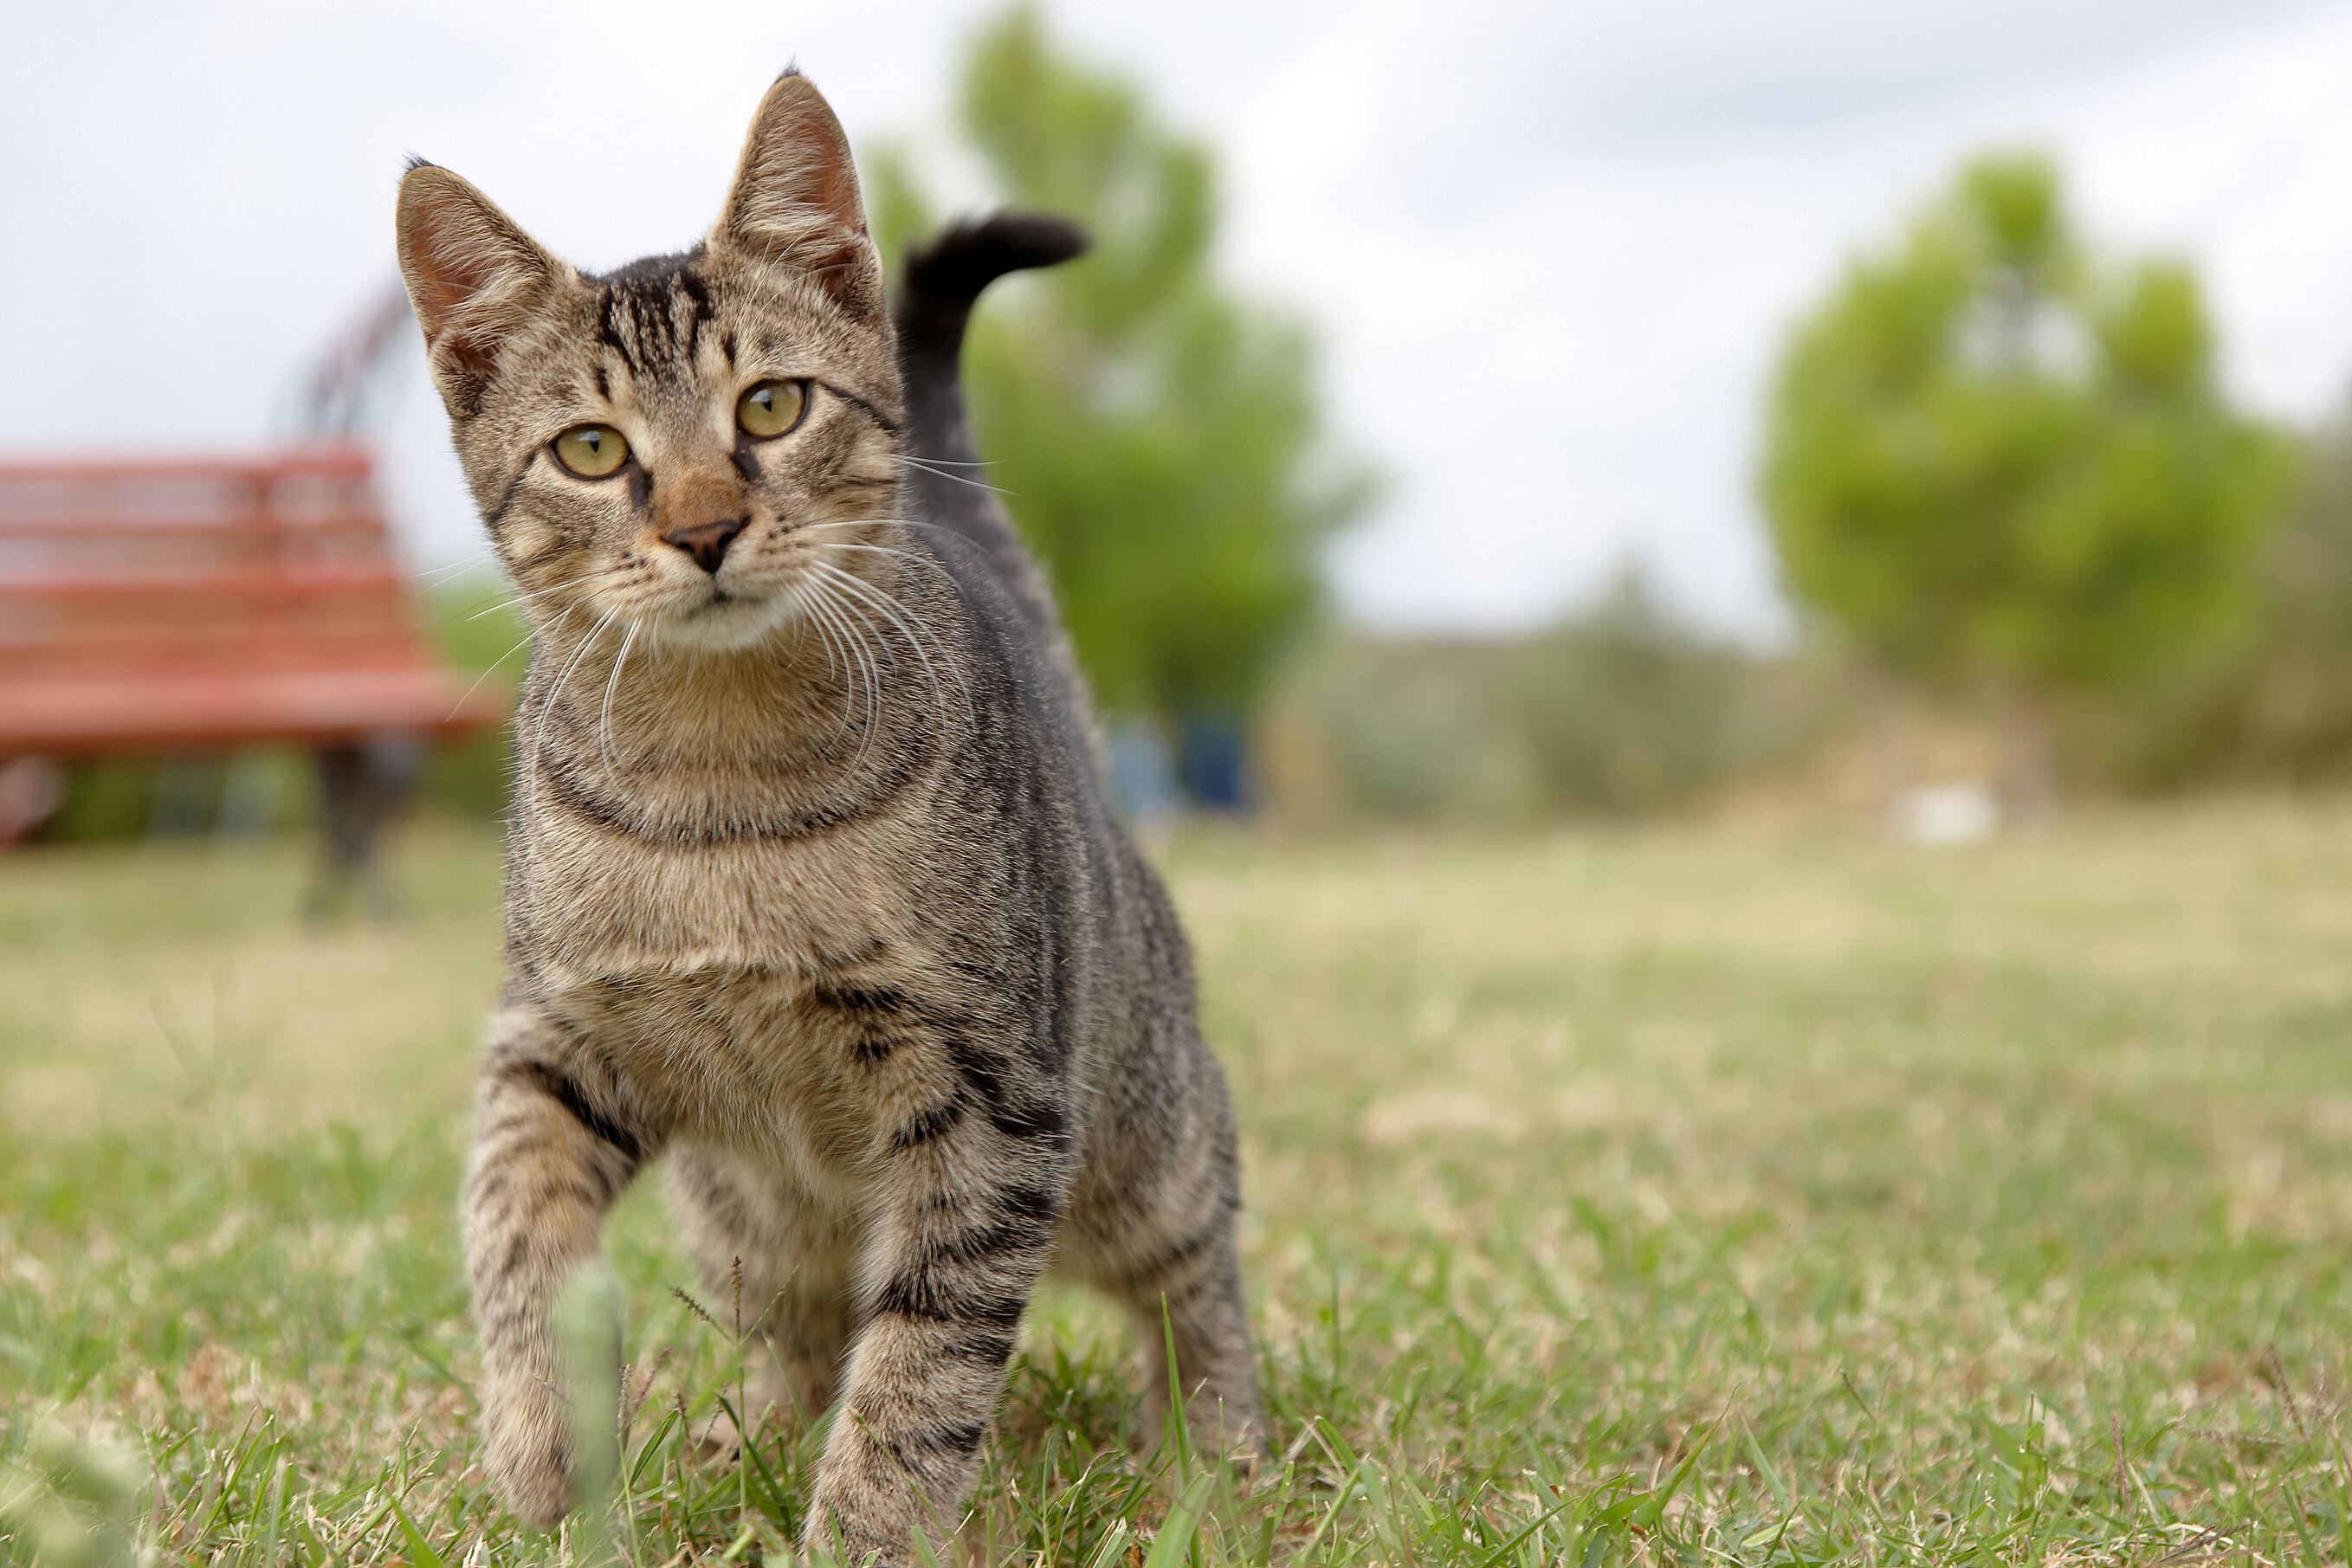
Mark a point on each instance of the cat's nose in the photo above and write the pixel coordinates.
(706, 542)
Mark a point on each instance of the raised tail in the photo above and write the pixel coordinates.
(946, 275)
(949, 486)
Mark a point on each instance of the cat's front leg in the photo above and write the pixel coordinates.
(974, 1177)
(556, 1140)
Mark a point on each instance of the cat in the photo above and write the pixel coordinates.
(813, 891)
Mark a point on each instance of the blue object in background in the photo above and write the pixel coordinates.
(1142, 774)
(1212, 761)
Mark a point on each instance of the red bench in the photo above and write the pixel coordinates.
(162, 606)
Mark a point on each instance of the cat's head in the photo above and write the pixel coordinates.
(674, 442)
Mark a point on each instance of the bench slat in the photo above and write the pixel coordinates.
(333, 460)
(83, 718)
(232, 652)
(158, 604)
(268, 582)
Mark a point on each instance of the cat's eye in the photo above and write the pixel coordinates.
(770, 408)
(592, 451)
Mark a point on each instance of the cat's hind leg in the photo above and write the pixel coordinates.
(1186, 1298)
(1155, 1230)
(776, 1267)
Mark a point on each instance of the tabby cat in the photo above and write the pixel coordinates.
(813, 890)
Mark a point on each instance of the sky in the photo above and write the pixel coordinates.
(1551, 250)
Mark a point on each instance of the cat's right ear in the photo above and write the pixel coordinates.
(474, 278)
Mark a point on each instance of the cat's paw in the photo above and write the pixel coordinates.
(530, 1460)
(536, 1488)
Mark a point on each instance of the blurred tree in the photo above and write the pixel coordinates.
(2296, 684)
(1158, 438)
(2275, 705)
(2004, 469)
(1619, 708)
(1622, 707)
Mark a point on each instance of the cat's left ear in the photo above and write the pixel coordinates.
(796, 198)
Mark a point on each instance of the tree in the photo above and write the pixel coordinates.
(1159, 438)
(2276, 705)
(1621, 707)
(2002, 466)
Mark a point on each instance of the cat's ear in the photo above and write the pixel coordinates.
(474, 279)
(796, 198)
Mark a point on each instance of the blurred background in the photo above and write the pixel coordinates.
(1520, 413)
(1557, 505)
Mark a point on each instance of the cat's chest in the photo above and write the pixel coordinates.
(735, 1057)
(590, 905)
(698, 972)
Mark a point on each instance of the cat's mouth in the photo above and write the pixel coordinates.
(724, 619)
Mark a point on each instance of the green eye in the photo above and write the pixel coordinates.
(771, 408)
(592, 451)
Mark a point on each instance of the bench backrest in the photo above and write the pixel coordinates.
(194, 568)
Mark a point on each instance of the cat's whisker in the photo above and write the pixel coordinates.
(546, 589)
(956, 535)
(604, 719)
(547, 707)
(798, 597)
(838, 579)
(877, 693)
(926, 467)
(879, 549)
(853, 630)
(501, 659)
(868, 523)
(440, 574)
(864, 607)
(534, 594)
(911, 628)
(839, 635)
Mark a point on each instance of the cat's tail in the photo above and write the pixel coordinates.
(945, 481)
(943, 278)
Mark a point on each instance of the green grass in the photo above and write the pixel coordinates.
(1695, 1196)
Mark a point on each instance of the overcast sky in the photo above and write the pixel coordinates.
(1550, 248)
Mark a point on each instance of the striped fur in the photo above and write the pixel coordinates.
(812, 893)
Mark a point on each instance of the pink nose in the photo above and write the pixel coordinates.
(706, 542)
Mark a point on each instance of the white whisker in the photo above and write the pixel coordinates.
(604, 721)
(913, 630)
(839, 638)
(455, 569)
(878, 550)
(952, 533)
(852, 629)
(833, 666)
(547, 708)
(533, 593)
(959, 478)
(494, 663)
(868, 598)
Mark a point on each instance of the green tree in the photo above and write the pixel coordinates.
(1159, 438)
(2277, 704)
(1621, 707)
(2002, 466)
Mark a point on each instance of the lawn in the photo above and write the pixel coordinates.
(1686, 1195)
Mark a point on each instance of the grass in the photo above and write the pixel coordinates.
(1690, 1196)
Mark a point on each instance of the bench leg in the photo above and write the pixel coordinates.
(361, 787)
(31, 790)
